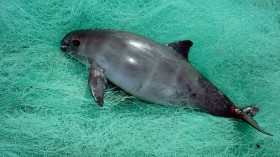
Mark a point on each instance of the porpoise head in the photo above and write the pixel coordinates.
(71, 42)
(74, 44)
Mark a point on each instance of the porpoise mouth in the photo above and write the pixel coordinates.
(64, 46)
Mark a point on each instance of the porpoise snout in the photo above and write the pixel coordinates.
(63, 48)
(64, 45)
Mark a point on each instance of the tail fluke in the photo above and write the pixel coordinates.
(247, 114)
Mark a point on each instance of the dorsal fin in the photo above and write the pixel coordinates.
(182, 47)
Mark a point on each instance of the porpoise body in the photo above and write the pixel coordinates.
(149, 70)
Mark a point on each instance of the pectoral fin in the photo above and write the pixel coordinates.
(97, 83)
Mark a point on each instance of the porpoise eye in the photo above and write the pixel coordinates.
(76, 43)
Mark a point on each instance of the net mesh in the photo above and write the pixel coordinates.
(46, 108)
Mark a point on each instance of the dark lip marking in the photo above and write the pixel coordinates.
(63, 48)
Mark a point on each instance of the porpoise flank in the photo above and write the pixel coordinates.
(149, 70)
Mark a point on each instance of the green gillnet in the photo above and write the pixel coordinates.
(46, 108)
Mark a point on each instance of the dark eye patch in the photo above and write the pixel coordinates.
(76, 43)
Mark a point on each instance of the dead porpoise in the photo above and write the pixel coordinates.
(149, 70)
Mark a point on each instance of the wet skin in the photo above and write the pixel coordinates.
(148, 70)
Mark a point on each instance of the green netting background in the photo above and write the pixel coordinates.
(46, 108)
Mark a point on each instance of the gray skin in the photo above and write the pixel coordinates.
(150, 71)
